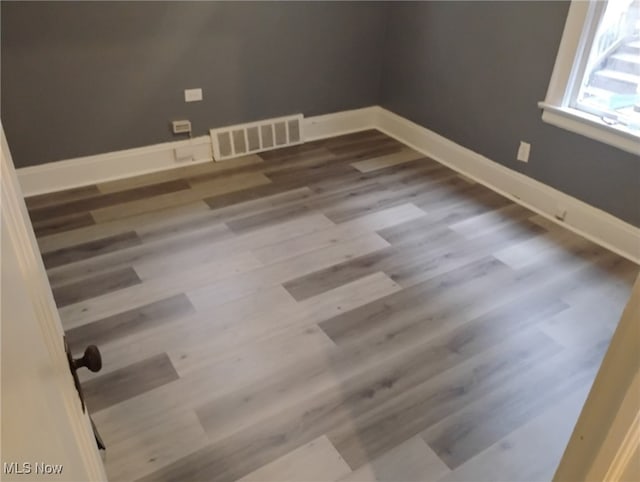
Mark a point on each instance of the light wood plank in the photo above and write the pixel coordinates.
(117, 386)
(511, 458)
(94, 231)
(387, 160)
(316, 461)
(280, 272)
(198, 191)
(210, 252)
(140, 449)
(337, 234)
(153, 290)
(411, 461)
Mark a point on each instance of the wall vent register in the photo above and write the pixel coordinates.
(242, 139)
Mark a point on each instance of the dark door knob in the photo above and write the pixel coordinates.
(91, 359)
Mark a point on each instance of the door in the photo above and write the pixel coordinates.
(44, 431)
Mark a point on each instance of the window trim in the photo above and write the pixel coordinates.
(570, 64)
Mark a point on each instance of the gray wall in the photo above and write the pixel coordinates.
(89, 77)
(474, 72)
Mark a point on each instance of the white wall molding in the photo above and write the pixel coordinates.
(81, 171)
(340, 123)
(584, 219)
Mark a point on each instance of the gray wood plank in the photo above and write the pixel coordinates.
(55, 225)
(120, 385)
(91, 249)
(129, 323)
(60, 197)
(97, 285)
(464, 434)
(104, 200)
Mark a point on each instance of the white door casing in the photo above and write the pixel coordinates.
(42, 418)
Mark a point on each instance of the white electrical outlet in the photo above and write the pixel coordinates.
(192, 95)
(523, 151)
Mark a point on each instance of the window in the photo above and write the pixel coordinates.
(595, 86)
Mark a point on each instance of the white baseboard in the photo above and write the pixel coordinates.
(339, 123)
(584, 219)
(82, 171)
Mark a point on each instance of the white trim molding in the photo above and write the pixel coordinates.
(581, 218)
(605, 442)
(82, 171)
(558, 108)
(590, 126)
(340, 123)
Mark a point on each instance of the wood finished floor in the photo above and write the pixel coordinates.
(342, 310)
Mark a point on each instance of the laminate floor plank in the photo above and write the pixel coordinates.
(280, 272)
(311, 159)
(221, 329)
(279, 324)
(249, 449)
(103, 200)
(142, 293)
(145, 205)
(304, 224)
(138, 253)
(462, 435)
(376, 431)
(222, 214)
(511, 459)
(93, 232)
(91, 249)
(117, 386)
(411, 461)
(225, 184)
(317, 461)
(100, 284)
(388, 160)
(61, 197)
(125, 324)
(343, 309)
(192, 193)
(363, 372)
(336, 234)
(403, 263)
(272, 216)
(61, 224)
(149, 447)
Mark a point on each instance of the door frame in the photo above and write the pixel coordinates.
(605, 443)
(19, 229)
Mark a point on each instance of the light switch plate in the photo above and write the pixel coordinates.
(192, 95)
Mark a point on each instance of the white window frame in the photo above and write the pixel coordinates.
(579, 31)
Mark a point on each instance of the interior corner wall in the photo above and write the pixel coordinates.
(82, 78)
(474, 73)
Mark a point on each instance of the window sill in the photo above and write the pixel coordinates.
(590, 126)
